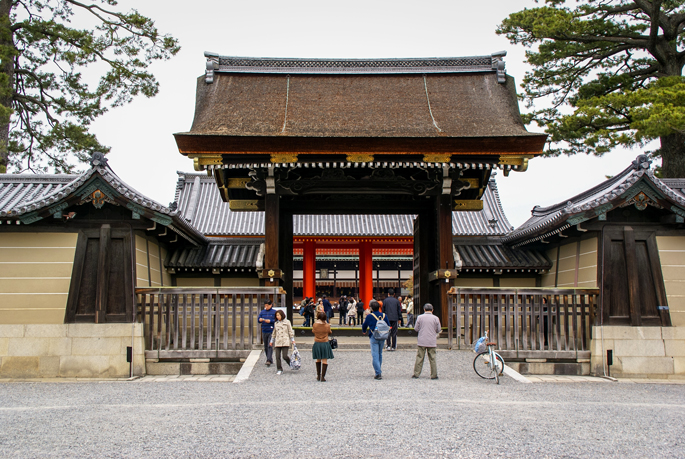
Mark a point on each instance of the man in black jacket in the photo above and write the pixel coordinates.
(393, 309)
(342, 308)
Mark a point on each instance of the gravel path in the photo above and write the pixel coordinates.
(351, 415)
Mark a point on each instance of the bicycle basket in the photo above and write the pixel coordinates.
(480, 345)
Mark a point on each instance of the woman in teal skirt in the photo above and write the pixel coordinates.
(321, 351)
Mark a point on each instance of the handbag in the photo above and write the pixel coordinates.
(295, 359)
(333, 342)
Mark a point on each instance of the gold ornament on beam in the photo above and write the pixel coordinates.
(359, 158)
(468, 205)
(283, 158)
(437, 158)
(244, 205)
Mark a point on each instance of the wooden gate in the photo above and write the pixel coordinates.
(525, 323)
(189, 322)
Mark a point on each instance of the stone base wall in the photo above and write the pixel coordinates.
(70, 350)
(640, 352)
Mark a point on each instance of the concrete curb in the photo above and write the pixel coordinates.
(247, 367)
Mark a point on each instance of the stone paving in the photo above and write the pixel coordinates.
(351, 415)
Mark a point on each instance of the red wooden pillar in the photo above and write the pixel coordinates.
(309, 269)
(366, 272)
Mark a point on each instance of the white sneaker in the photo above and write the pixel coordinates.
(279, 372)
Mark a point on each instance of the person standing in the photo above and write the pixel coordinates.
(410, 312)
(321, 351)
(428, 328)
(281, 338)
(369, 326)
(327, 308)
(342, 309)
(351, 312)
(360, 311)
(267, 317)
(393, 309)
(308, 312)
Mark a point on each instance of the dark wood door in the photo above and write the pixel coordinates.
(633, 290)
(102, 277)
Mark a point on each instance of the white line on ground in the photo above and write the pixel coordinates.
(247, 367)
(513, 374)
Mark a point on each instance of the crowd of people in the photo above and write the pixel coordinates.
(380, 324)
(351, 310)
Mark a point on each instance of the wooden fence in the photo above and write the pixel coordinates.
(190, 322)
(525, 323)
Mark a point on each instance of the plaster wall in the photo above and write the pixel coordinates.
(150, 270)
(35, 273)
(640, 352)
(672, 256)
(577, 265)
(517, 282)
(472, 282)
(70, 350)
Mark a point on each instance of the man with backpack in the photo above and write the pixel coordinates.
(328, 309)
(378, 330)
(342, 309)
(393, 308)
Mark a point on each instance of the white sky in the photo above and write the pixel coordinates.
(145, 155)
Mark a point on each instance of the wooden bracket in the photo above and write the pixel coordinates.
(441, 274)
(270, 274)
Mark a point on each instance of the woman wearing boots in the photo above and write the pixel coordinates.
(321, 351)
(281, 338)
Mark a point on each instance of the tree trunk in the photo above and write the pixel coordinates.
(6, 67)
(673, 156)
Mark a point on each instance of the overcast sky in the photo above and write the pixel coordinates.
(145, 155)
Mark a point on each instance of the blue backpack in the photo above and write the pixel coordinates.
(382, 330)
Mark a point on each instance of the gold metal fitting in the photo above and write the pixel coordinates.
(359, 158)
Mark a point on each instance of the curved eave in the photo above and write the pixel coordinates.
(242, 145)
(571, 215)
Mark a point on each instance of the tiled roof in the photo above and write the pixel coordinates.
(598, 200)
(499, 256)
(18, 189)
(200, 203)
(233, 254)
(235, 64)
(27, 198)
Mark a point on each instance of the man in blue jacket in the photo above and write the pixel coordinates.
(267, 317)
(376, 344)
(327, 308)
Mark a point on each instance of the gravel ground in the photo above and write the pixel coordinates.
(351, 415)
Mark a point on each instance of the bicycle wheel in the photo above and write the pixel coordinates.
(500, 363)
(483, 369)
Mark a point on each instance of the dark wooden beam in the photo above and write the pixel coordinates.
(103, 274)
(631, 271)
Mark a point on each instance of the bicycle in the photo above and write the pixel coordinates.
(489, 364)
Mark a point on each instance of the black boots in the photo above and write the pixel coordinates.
(318, 371)
(324, 367)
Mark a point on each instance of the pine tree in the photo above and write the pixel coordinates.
(46, 107)
(612, 70)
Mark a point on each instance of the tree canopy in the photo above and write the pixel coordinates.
(46, 103)
(605, 73)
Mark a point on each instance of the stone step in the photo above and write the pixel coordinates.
(192, 368)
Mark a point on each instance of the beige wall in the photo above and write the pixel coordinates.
(239, 282)
(517, 282)
(584, 275)
(150, 250)
(466, 282)
(195, 282)
(672, 256)
(35, 273)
